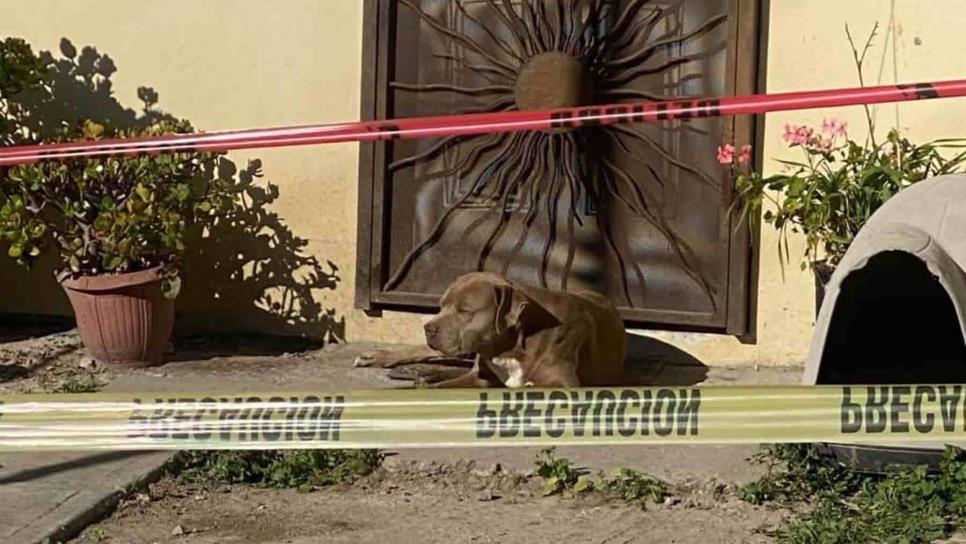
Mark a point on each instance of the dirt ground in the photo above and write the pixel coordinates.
(431, 499)
(52, 359)
(35, 364)
(428, 504)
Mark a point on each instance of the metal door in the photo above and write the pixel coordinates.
(638, 212)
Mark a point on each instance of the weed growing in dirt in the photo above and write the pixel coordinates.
(560, 476)
(299, 469)
(909, 505)
(632, 486)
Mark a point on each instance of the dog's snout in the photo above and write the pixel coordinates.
(432, 331)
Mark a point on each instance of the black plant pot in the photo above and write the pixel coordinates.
(822, 272)
(872, 459)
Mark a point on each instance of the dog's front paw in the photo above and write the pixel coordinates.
(377, 359)
(364, 360)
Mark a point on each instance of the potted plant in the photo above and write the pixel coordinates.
(118, 225)
(839, 183)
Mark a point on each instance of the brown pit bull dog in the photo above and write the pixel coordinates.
(526, 336)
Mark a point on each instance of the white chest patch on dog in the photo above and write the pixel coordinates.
(510, 371)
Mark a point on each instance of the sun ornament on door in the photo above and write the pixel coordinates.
(547, 54)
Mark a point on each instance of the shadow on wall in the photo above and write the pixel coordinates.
(248, 272)
(252, 267)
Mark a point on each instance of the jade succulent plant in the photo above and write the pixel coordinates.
(102, 215)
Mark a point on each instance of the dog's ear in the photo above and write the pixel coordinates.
(516, 310)
(504, 302)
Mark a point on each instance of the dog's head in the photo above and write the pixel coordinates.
(483, 313)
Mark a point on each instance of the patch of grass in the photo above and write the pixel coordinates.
(796, 473)
(560, 476)
(81, 382)
(908, 505)
(299, 469)
(95, 534)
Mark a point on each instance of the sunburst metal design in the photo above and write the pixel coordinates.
(548, 54)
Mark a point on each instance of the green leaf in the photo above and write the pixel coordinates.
(15, 251)
(111, 262)
(103, 222)
(171, 287)
(551, 485)
(143, 192)
(182, 191)
(92, 130)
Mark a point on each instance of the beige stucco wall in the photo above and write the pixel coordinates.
(247, 63)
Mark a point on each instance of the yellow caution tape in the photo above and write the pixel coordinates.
(878, 414)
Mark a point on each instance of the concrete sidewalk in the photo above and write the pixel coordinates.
(55, 495)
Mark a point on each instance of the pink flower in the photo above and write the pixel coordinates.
(726, 154)
(797, 135)
(819, 143)
(745, 154)
(833, 127)
(888, 148)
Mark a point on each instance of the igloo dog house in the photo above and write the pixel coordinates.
(895, 308)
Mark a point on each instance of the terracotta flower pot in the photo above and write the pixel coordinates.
(123, 318)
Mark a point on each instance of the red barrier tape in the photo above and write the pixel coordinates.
(481, 123)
